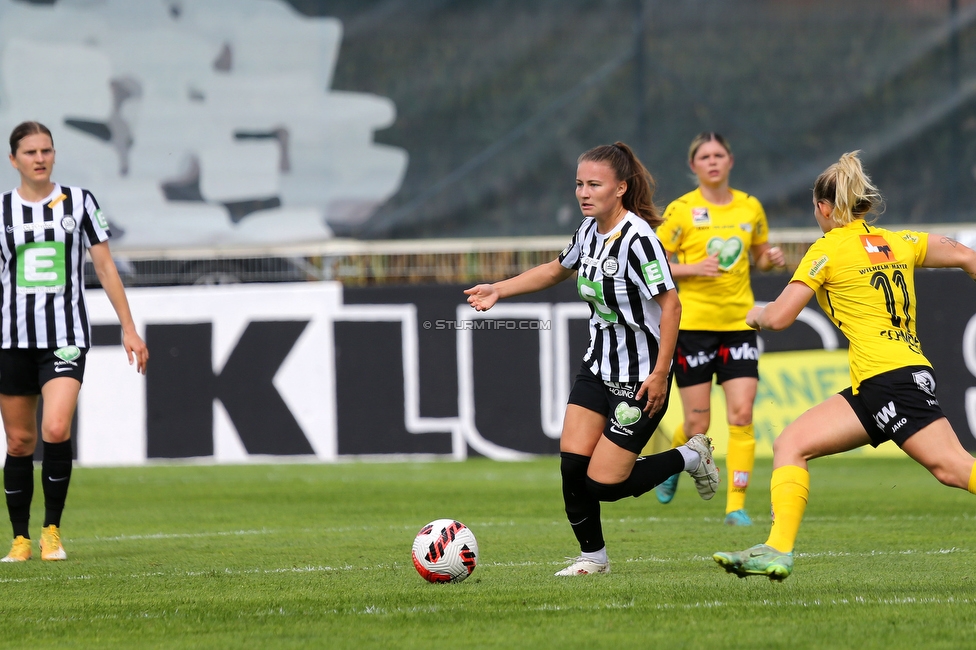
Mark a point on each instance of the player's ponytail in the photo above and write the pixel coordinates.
(846, 187)
(639, 197)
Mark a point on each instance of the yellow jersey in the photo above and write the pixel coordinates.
(692, 230)
(865, 282)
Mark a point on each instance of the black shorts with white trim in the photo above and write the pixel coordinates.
(628, 426)
(896, 404)
(23, 371)
(700, 354)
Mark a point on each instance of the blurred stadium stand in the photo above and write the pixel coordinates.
(496, 99)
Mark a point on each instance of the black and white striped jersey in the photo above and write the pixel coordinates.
(618, 274)
(42, 267)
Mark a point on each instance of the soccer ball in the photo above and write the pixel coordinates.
(445, 551)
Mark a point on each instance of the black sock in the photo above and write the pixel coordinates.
(18, 484)
(582, 509)
(55, 476)
(648, 472)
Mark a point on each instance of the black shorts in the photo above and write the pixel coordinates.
(726, 355)
(896, 404)
(628, 426)
(24, 371)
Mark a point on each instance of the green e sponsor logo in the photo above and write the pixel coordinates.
(652, 272)
(100, 219)
(592, 292)
(40, 267)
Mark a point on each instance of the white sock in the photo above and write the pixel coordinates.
(692, 458)
(599, 557)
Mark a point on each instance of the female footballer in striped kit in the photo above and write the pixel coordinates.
(621, 391)
(44, 328)
(863, 278)
(710, 232)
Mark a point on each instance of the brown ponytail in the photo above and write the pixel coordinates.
(639, 197)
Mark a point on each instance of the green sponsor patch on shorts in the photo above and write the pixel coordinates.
(68, 353)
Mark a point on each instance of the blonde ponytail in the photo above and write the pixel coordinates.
(846, 187)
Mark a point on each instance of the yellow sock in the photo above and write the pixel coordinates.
(738, 465)
(789, 490)
(972, 479)
(678, 438)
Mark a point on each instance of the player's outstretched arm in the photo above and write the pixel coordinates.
(782, 312)
(945, 252)
(483, 296)
(108, 275)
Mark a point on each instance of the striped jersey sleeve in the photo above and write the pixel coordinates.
(571, 255)
(648, 266)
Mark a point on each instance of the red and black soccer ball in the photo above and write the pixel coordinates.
(445, 551)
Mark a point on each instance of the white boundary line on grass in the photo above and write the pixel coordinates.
(387, 567)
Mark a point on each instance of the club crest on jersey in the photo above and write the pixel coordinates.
(925, 381)
(745, 227)
(877, 249)
(610, 266)
(68, 223)
(699, 217)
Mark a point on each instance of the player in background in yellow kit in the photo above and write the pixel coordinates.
(709, 234)
(864, 279)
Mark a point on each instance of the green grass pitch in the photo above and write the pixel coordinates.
(309, 555)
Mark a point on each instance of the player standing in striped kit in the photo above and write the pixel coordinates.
(622, 389)
(44, 328)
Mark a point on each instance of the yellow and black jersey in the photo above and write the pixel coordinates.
(692, 230)
(865, 281)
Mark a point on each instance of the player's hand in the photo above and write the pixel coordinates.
(775, 257)
(136, 350)
(709, 267)
(656, 389)
(482, 297)
(752, 318)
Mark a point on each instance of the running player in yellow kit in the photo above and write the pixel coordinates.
(863, 278)
(709, 233)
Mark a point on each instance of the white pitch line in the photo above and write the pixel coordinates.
(378, 610)
(395, 565)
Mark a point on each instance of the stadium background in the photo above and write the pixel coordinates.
(491, 104)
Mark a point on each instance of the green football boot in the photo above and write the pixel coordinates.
(760, 560)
